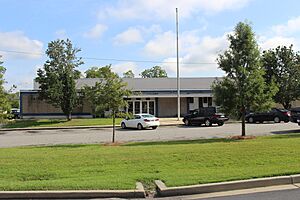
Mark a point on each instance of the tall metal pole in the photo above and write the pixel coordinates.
(178, 78)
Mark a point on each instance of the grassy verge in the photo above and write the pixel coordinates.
(59, 123)
(119, 167)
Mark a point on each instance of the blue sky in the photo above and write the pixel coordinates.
(125, 33)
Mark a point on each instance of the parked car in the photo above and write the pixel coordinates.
(14, 113)
(141, 121)
(295, 115)
(206, 116)
(275, 114)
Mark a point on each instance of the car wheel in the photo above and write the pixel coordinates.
(154, 127)
(186, 122)
(286, 121)
(251, 120)
(140, 126)
(220, 123)
(123, 125)
(276, 120)
(207, 122)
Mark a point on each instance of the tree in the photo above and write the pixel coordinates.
(108, 94)
(98, 72)
(128, 74)
(154, 72)
(4, 104)
(282, 65)
(57, 78)
(243, 87)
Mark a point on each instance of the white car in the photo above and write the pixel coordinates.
(141, 121)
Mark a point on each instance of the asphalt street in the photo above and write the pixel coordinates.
(284, 192)
(163, 133)
(275, 195)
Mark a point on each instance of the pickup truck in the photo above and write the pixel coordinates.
(206, 116)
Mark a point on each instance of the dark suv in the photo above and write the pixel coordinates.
(295, 115)
(206, 116)
(275, 114)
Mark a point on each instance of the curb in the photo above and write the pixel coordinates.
(139, 192)
(164, 191)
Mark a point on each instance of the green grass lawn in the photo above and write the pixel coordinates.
(119, 167)
(60, 122)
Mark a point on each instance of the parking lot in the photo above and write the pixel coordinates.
(163, 133)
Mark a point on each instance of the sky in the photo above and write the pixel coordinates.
(137, 34)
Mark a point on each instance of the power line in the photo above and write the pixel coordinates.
(115, 59)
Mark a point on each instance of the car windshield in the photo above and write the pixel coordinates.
(147, 116)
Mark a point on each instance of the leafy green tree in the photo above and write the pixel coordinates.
(128, 74)
(4, 103)
(98, 72)
(13, 99)
(282, 65)
(107, 94)
(154, 72)
(244, 86)
(57, 78)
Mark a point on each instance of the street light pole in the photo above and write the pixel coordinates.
(178, 79)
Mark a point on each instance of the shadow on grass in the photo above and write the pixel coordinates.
(286, 135)
(286, 132)
(200, 141)
(32, 123)
(67, 146)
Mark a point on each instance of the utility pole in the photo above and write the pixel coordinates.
(178, 78)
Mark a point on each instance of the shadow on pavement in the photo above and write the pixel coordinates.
(197, 126)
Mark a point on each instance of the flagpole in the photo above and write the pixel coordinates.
(178, 79)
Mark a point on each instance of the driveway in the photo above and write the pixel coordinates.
(103, 135)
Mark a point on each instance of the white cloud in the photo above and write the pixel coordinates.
(197, 54)
(281, 35)
(164, 9)
(95, 32)
(291, 27)
(17, 41)
(130, 36)
(273, 42)
(162, 45)
(120, 68)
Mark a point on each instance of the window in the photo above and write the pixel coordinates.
(144, 107)
(137, 117)
(204, 99)
(209, 101)
(151, 107)
(137, 108)
(130, 107)
(200, 102)
(190, 99)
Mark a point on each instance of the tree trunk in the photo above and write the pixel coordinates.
(243, 121)
(114, 127)
(69, 117)
(287, 105)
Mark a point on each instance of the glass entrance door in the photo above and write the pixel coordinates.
(144, 107)
(151, 107)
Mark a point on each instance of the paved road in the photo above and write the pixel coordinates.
(280, 192)
(275, 195)
(103, 135)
